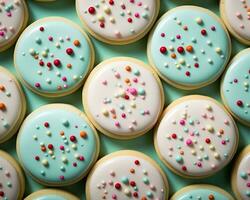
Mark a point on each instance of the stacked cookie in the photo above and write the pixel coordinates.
(124, 98)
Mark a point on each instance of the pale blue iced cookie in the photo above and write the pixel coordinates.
(56, 145)
(201, 192)
(53, 56)
(235, 87)
(189, 47)
(51, 194)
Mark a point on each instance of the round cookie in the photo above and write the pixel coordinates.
(235, 14)
(126, 175)
(57, 54)
(202, 192)
(11, 178)
(235, 85)
(12, 105)
(123, 97)
(196, 137)
(62, 145)
(118, 22)
(241, 175)
(51, 194)
(13, 19)
(189, 47)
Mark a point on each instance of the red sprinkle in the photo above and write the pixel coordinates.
(50, 146)
(102, 25)
(130, 20)
(37, 85)
(1, 194)
(75, 164)
(163, 49)
(180, 49)
(196, 65)
(203, 32)
(239, 103)
(57, 62)
(49, 65)
(91, 10)
(46, 124)
(37, 158)
(72, 138)
(184, 168)
(213, 28)
(208, 140)
(61, 177)
(69, 51)
(41, 63)
(163, 35)
(187, 73)
(132, 183)
(111, 2)
(174, 136)
(135, 194)
(41, 28)
(137, 162)
(118, 186)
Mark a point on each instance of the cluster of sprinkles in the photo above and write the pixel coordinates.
(174, 47)
(5, 183)
(243, 85)
(61, 152)
(200, 139)
(198, 197)
(58, 63)
(245, 176)
(128, 91)
(7, 10)
(3, 106)
(129, 186)
(103, 14)
(240, 16)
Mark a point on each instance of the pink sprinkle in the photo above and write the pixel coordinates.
(248, 184)
(189, 142)
(50, 38)
(114, 196)
(37, 85)
(123, 6)
(182, 122)
(235, 80)
(1, 33)
(9, 14)
(137, 15)
(64, 78)
(163, 35)
(132, 91)
(81, 158)
(223, 142)
(117, 124)
(61, 177)
(104, 82)
(135, 80)
(132, 1)
(62, 147)
(178, 36)
(139, 4)
(213, 28)
(117, 75)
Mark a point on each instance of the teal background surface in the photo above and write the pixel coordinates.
(66, 8)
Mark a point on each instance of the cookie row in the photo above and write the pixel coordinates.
(126, 175)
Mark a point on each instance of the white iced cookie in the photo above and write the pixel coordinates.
(118, 21)
(12, 105)
(126, 175)
(11, 178)
(196, 137)
(236, 15)
(123, 97)
(13, 19)
(241, 175)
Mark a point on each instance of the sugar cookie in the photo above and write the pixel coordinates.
(241, 175)
(13, 19)
(196, 137)
(235, 85)
(123, 97)
(57, 54)
(51, 194)
(62, 145)
(12, 105)
(11, 178)
(202, 192)
(116, 21)
(125, 175)
(189, 47)
(235, 14)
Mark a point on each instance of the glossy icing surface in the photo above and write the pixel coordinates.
(196, 137)
(126, 177)
(201, 194)
(62, 145)
(243, 178)
(12, 16)
(9, 181)
(237, 15)
(50, 197)
(128, 99)
(56, 53)
(235, 86)
(10, 104)
(189, 46)
(117, 19)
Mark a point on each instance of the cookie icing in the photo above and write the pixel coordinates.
(123, 176)
(189, 47)
(51, 197)
(235, 86)
(9, 180)
(242, 181)
(12, 19)
(11, 104)
(57, 54)
(118, 20)
(201, 192)
(196, 137)
(62, 145)
(118, 97)
(237, 15)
